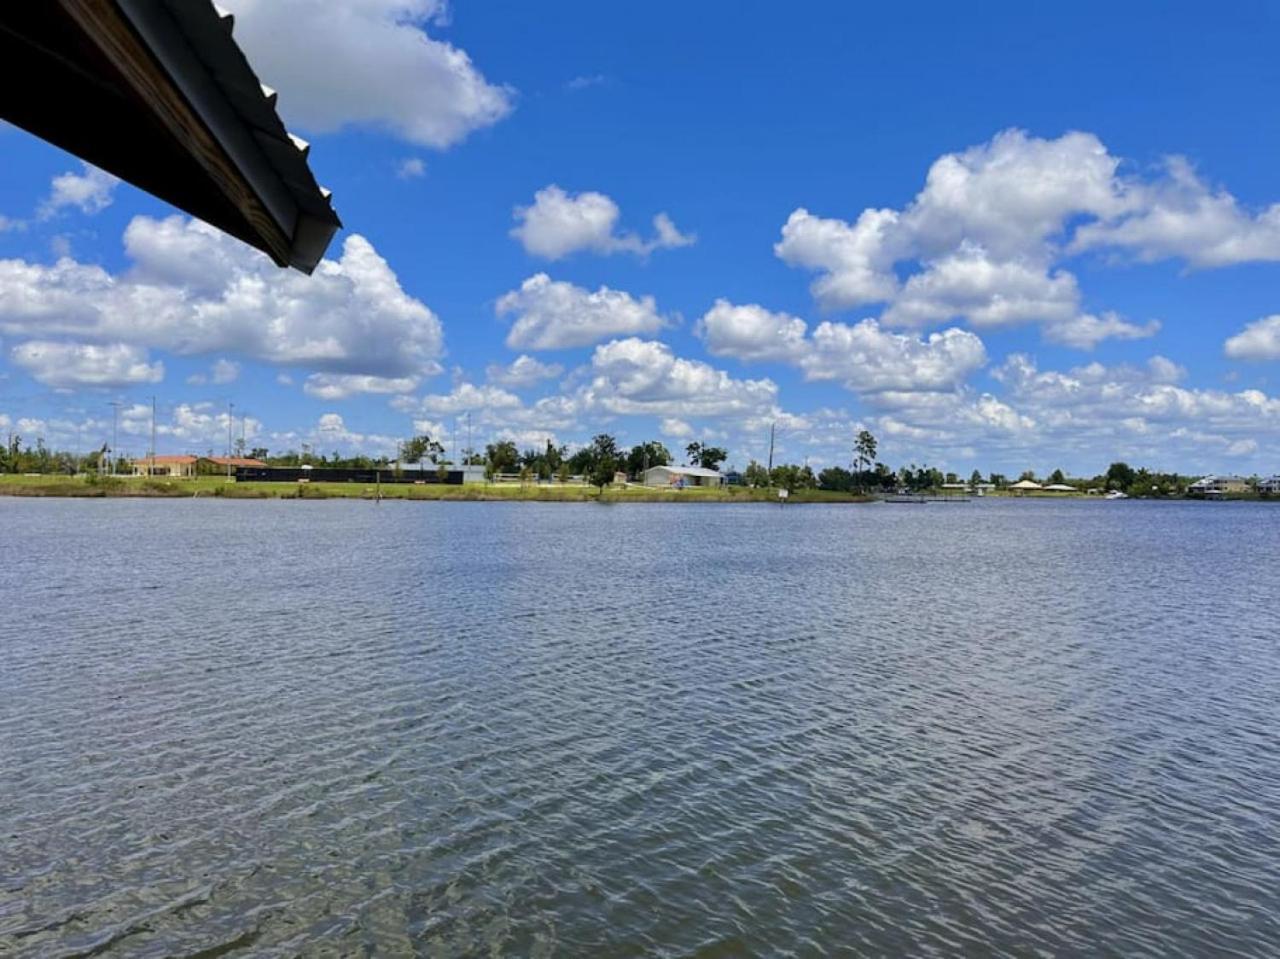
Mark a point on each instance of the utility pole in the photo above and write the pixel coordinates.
(231, 412)
(772, 426)
(151, 469)
(115, 421)
(470, 449)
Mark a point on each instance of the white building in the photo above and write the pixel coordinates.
(679, 477)
(1269, 487)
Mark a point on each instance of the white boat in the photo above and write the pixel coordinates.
(1116, 494)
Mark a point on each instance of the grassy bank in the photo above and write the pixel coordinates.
(217, 486)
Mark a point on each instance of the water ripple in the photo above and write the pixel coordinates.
(275, 729)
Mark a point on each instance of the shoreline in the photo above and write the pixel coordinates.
(217, 487)
(67, 487)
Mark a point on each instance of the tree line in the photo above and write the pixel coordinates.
(601, 460)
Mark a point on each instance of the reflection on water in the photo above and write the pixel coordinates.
(545, 729)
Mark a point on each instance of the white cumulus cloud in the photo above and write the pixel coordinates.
(675, 427)
(463, 397)
(1260, 340)
(863, 357)
(1180, 216)
(89, 192)
(983, 240)
(222, 371)
(192, 290)
(555, 315)
(523, 371)
(867, 359)
(751, 332)
(557, 224)
(1084, 331)
(339, 386)
(411, 168)
(86, 364)
(368, 63)
(635, 377)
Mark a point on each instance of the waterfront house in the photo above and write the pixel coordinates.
(1060, 488)
(220, 465)
(1215, 486)
(175, 467)
(1270, 487)
(681, 476)
(1026, 486)
(185, 466)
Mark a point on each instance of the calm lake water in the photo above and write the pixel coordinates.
(337, 728)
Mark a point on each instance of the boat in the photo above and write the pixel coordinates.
(1116, 494)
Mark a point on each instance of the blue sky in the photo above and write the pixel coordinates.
(1001, 239)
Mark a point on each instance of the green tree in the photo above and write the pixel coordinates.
(756, 475)
(792, 477)
(502, 456)
(836, 478)
(416, 449)
(1120, 476)
(712, 456)
(646, 456)
(1057, 478)
(603, 460)
(864, 450)
(553, 458)
(975, 479)
(708, 457)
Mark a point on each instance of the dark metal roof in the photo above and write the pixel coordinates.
(158, 93)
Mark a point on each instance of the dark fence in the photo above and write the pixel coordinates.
(328, 474)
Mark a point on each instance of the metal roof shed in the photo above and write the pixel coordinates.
(158, 93)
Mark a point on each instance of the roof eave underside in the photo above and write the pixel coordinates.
(159, 93)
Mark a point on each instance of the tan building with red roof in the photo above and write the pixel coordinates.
(185, 466)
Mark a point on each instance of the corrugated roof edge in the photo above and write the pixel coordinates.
(245, 121)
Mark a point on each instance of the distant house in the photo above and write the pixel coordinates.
(1060, 488)
(1026, 486)
(218, 465)
(178, 467)
(681, 476)
(1213, 486)
(1270, 487)
(184, 466)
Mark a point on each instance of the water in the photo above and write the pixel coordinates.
(337, 728)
